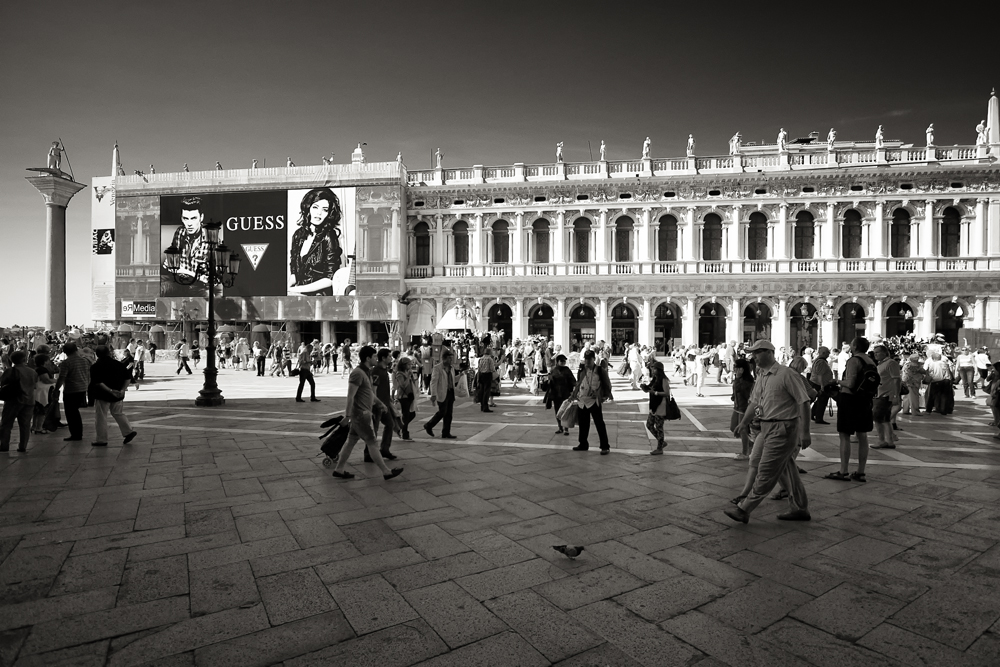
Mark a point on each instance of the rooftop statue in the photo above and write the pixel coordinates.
(55, 157)
(734, 144)
(399, 157)
(288, 162)
(645, 149)
(254, 164)
(782, 138)
(326, 160)
(186, 167)
(151, 169)
(437, 158)
(559, 155)
(830, 138)
(930, 135)
(879, 139)
(981, 138)
(690, 146)
(218, 166)
(603, 150)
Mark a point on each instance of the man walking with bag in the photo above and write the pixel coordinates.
(780, 403)
(442, 390)
(593, 387)
(109, 379)
(383, 392)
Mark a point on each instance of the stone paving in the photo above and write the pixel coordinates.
(218, 538)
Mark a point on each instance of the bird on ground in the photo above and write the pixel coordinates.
(569, 552)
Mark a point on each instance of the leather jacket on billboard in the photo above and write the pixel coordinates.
(323, 257)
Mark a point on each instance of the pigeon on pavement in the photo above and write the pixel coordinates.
(569, 552)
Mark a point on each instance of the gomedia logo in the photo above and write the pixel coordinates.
(254, 252)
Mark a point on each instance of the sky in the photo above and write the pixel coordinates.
(490, 83)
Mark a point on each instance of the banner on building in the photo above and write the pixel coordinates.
(137, 309)
(102, 258)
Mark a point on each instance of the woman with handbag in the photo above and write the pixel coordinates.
(659, 396)
(403, 391)
(561, 385)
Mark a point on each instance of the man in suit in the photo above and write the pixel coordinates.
(592, 388)
(442, 390)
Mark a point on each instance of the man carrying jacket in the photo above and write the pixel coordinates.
(442, 388)
(592, 388)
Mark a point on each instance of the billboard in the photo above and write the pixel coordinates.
(290, 242)
(137, 309)
(102, 261)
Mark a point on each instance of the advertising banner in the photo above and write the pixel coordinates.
(137, 309)
(256, 229)
(322, 242)
(181, 218)
(102, 260)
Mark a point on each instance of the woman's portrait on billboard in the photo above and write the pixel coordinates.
(316, 255)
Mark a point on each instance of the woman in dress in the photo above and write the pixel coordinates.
(316, 254)
(659, 396)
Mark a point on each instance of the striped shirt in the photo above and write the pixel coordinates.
(74, 374)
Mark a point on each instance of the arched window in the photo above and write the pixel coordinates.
(540, 241)
(460, 232)
(423, 246)
(805, 235)
(501, 242)
(757, 237)
(951, 233)
(899, 233)
(666, 239)
(623, 238)
(851, 235)
(581, 240)
(711, 238)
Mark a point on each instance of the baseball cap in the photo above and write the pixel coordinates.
(762, 344)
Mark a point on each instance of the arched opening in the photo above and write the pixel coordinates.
(581, 240)
(422, 234)
(756, 322)
(501, 242)
(624, 327)
(805, 235)
(803, 326)
(502, 318)
(899, 320)
(460, 232)
(540, 241)
(757, 237)
(666, 239)
(851, 235)
(623, 238)
(541, 321)
(899, 233)
(666, 328)
(582, 326)
(711, 238)
(711, 324)
(851, 324)
(951, 233)
(948, 319)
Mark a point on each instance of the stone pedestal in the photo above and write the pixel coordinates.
(56, 191)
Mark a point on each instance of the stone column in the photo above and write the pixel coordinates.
(560, 333)
(689, 324)
(830, 247)
(643, 243)
(736, 236)
(977, 242)
(866, 238)
(391, 252)
(779, 330)
(878, 236)
(689, 236)
(734, 325)
(827, 335)
(646, 323)
(559, 242)
(56, 192)
(438, 242)
(517, 250)
(927, 325)
(927, 248)
(993, 229)
(601, 247)
(979, 317)
(603, 323)
(877, 327)
(520, 322)
(476, 254)
(780, 250)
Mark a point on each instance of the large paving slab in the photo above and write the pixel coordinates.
(218, 537)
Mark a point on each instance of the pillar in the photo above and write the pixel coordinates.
(877, 327)
(438, 310)
(601, 247)
(689, 236)
(689, 323)
(391, 252)
(779, 330)
(993, 229)
(603, 323)
(735, 236)
(644, 246)
(292, 330)
(780, 250)
(476, 251)
(517, 247)
(979, 317)
(866, 238)
(734, 324)
(646, 321)
(927, 325)
(559, 245)
(439, 258)
(520, 322)
(927, 248)
(977, 242)
(878, 237)
(560, 326)
(829, 246)
(827, 335)
(56, 191)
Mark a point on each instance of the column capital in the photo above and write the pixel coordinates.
(55, 190)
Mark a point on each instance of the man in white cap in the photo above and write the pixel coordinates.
(780, 403)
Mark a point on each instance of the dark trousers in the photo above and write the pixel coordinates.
(485, 385)
(387, 420)
(53, 416)
(20, 413)
(73, 402)
(140, 370)
(443, 413)
(584, 415)
(183, 363)
(305, 375)
(405, 404)
(260, 366)
(819, 406)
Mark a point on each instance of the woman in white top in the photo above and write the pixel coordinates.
(966, 364)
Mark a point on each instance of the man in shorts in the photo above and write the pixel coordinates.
(854, 412)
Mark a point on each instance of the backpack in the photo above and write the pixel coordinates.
(868, 381)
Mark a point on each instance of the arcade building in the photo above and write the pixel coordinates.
(804, 242)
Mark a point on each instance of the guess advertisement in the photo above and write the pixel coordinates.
(256, 228)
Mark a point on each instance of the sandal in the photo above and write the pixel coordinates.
(737, 500)
(839, 476)
(858, 477)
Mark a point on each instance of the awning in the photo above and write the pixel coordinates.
(420, 318)
(452, 320)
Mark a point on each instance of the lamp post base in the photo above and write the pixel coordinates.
(210, 396)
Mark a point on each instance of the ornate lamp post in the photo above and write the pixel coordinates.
(220, 268)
